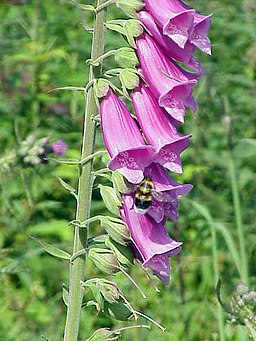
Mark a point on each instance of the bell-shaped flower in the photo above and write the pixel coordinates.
(159, 130)
(166, 193)
(124, 142)
(152, 243)
(171, 84)
(173, 19)
(171, 49)
(201, 27)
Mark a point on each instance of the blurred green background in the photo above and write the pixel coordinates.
(44, 45)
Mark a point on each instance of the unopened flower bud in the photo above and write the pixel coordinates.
(120, 183)
(101, 87)
(126, 57)
(133, 27)
(130, 79)
(111, 199)
(104, 260)
(109, 291)
(116, 230)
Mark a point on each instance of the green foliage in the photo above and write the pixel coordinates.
(44, 46)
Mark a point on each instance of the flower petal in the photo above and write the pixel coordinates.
(171, 49)
(159, 130)
(173, 19)
(150, 239)
(123, 140)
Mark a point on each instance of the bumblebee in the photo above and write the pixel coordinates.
(143, 196)
(145, 193)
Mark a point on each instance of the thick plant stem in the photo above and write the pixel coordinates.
(77, 267)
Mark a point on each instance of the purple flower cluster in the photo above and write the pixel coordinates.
(151, 145)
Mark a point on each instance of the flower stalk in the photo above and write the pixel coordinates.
(77, 267)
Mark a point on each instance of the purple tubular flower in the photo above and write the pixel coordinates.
(150, 239)
(200, 28)
(170, 84)
(123, 140)
(200, 31)
(173, 19)
(59, 147)
(169, 188)
(171, 49)
(159, 130)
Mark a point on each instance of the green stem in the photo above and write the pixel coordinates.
(97, 61)
(104, 5)
(238, 217)
(77, 268)
(216, 279)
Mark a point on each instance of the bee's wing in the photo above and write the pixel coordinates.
(161, 196)
(132, 187)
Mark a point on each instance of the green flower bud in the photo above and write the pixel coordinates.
(126, 57)
(116, 230)
(123, 254)
(118, 311)
(104, 334)
(111, 199)
(130, 79)
(120, 183)
(104, 260)
(101, 87)
(133, 27)
(109, 291)
(130, 6)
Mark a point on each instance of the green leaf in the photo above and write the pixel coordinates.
(111, 199)
(246, 148)
(230, 244)
(52, 250)
(71, 189)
